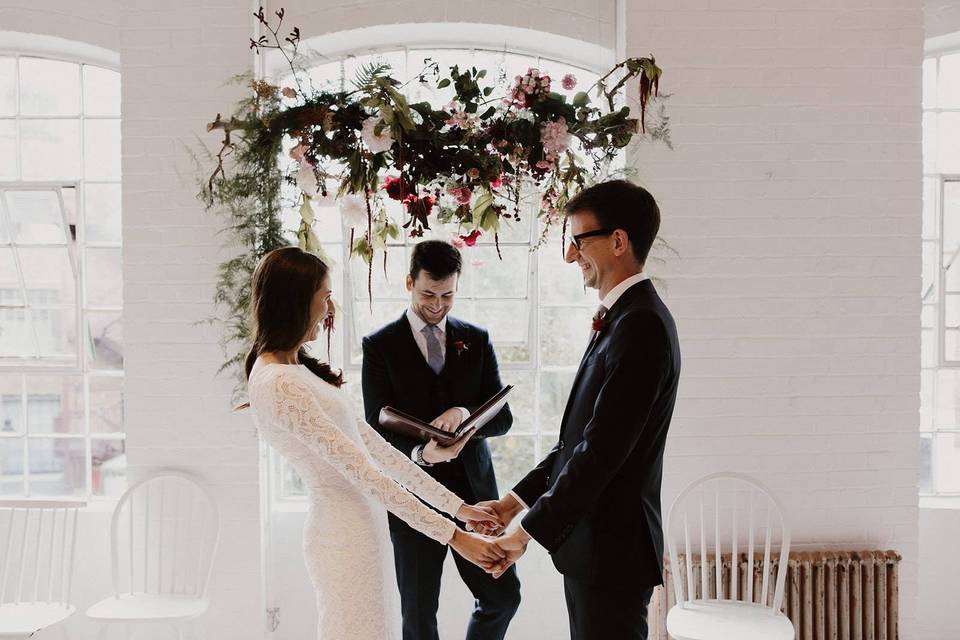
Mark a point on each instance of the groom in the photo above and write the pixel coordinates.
(594, 501)
(439, 369)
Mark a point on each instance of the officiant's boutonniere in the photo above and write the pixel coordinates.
(460, 346)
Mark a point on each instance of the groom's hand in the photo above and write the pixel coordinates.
(513, 546)
(480, 550)
(506, 509)
(480, 518)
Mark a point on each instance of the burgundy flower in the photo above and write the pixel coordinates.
(460, 346)
(471, 240)
(395, 187)
(422, 206)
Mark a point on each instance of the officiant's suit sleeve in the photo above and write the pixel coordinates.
(635, 367)
(378, 393)
(490, 383)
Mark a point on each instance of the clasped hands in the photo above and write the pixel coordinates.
(484, 544)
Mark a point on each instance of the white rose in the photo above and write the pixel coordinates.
(353, 209)
(376, 143)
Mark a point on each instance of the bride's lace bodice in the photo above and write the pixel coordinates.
(312, 424)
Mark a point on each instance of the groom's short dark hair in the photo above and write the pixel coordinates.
(619, 204)
(439, 259)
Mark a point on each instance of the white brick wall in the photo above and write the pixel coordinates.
(792, 197)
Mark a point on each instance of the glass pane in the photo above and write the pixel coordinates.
(926, 473)
(513, 458)
(948, 133)
(564, 334)
(56, 332)
(102, 213)
(951, 217)
(928, 348)
(391, 285)
(50, 149)
(365, 322)
(561, 283)
(105, 339)
(506, 320)
(48, 276)
(930, 226)
(101, 91)
(108, 462)
(49, 87)
(104, 279)
(101, 149)
(929, 142)
(929, 83)
(35, 217)
(927, 380)
(946, 462)
(55, 404)
(11, 466)
(489, 276)
(16, 334)
(521, 400)
(11, 292)
(554, 392)
(8, 86)
(57, 466)
(948, 86)
(106, 404)
(8, 150)
(931, 269)
(11, 403)
(512, 230)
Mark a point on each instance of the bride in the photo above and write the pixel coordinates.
(353, 476)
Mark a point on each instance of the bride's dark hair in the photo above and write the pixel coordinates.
(284, 283)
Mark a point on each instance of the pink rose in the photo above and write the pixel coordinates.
(569, 81)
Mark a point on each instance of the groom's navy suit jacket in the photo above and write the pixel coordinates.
(595, 499)
(395, 373)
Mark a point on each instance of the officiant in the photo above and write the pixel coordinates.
(438, 368)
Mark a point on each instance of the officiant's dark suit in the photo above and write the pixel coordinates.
(402, 369)
(595, 499)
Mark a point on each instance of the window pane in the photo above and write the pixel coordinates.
(55, 404)
(930, 226)
(101, 149)
(389, 286)
(101, 91)
(56, 332)
(928, 348)
(104, 279)
(102, 213)
(10, 289)
(48, 276)
(930, 272)
(561, 283)
(489, 276)
(50, 149)
(49, 87)
(57, 466)
(105, 339)
(108, 463)
(513, 458)
(106, 404)
(35, 217)
(929, 83)
(11, 466)
(506, 320)
(8, 86)
(554, 391)
(16, 334)
(927, 381)
(946, 462)
(365, 322)
(564, 333)
(8, 150)
(948, 133)
(949, 84)
(521, 400)
(11, 404)
(929, 142)
(926, 458)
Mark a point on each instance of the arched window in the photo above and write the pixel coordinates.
(61, 338)
(533, 304)
(940, 361)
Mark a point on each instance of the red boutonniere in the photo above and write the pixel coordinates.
(599, 324)
(460, 346)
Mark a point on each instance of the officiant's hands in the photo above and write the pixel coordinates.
(480, 518)
(449, 420)
(512, 546)
(480, 550)
(434, 452)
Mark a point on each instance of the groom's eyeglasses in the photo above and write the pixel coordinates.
(578, 239)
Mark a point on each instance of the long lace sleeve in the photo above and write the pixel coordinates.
(296, 409)
(406, 472)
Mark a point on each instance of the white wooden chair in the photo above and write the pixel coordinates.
(163, 540)
(732, 509)
(39, 544)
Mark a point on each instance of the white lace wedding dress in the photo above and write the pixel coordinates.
(351, 475)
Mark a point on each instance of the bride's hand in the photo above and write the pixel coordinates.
(480, 550)
(480, 518)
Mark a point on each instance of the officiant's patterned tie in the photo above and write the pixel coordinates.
(434, 354)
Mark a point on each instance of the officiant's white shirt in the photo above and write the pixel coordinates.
(608, 301)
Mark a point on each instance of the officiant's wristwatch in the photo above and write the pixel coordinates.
(418, 456)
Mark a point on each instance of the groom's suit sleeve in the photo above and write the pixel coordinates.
(636, 365)
(378, 393)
